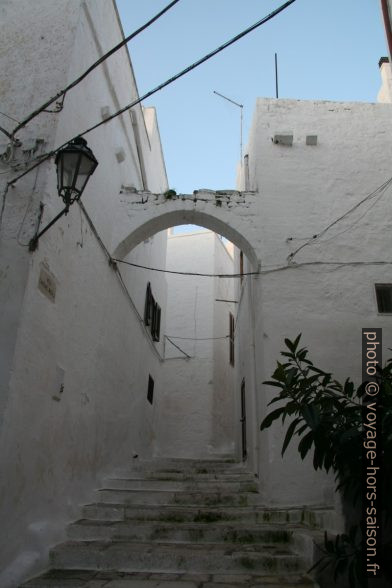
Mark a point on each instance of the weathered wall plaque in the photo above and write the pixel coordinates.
(47, 284)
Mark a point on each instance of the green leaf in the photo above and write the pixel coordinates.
(290, 433)
(295, 344)
(271, 417)
(311, 415)
(277, 384)
(305, 444)
(290, 345)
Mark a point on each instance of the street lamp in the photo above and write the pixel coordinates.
(75, 164)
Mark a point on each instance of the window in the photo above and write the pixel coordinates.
(384, 298)
(150, 391)
(152, 314)
(231, 338)
(241, 266)
(148, 306)
(156, 321)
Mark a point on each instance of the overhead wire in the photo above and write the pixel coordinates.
(267, 269)
(62, 93)
(165, 271)
(198, 338)
(8, 134)
(354, 223)
(164, 84)
(8, 116)
(177, 347)
(315, 239)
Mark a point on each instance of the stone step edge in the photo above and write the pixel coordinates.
(180, 492)
(235, 548)
(248, 578)
(257, 508)
(210, 480)
(191, 525)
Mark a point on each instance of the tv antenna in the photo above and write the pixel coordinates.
(241, 107)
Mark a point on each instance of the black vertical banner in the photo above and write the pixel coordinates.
(373, 573)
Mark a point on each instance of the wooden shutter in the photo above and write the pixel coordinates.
(231, 338)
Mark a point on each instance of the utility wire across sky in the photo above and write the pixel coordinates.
(62, 93)
(160, 86)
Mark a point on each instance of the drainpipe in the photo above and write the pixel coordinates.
(388, 26)
(256, 402)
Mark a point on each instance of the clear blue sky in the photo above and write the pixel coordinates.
(327, 49)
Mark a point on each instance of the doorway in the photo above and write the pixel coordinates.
(243, 421)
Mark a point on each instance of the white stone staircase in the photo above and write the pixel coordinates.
(183, 524)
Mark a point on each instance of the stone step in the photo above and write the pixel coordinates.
(161, 557)
(164, 497)
(209, 485)
(178, 523)
(192, 514)
(86, 529)
(221, 478)
(112, 579)
(195, 467)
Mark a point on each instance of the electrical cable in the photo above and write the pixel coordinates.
(3, 204)
(164, 84)
(381, 189)
(179, 348)
(354, 223)
(154, 269)
(62, 93)
(27, 210)
(118, 274)
(11, 138)
(10, 117)
(262, 271)
(198, 338)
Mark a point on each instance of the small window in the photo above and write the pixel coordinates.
(241, 266)
(384, 298)
(148, 305)
(152, 314)
(150, 391)
(231, 338)
(156, 321)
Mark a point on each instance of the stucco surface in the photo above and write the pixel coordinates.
(302, 189)
(74, 368)
(196, 409)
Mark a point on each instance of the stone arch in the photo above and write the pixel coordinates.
(154, 218)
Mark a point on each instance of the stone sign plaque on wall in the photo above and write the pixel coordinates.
(47, 284)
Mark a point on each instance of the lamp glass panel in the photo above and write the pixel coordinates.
(69, 165)
(86, 168)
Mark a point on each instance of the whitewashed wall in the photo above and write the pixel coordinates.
(74, 369)
(301, 190)
(225, 423)
(196, 409)
(385, 93)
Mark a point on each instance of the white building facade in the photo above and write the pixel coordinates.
(77, 355)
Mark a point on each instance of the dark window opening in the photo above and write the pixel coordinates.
(384, 297)
(148, 306)
(243, 421)
(231, 338)
(152, 314)
(156, 321)
(241, 266)
(150, 391)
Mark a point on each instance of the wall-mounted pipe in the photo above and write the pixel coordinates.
(388, 26)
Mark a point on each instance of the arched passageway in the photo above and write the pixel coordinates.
(185, 380)
(230, 214)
